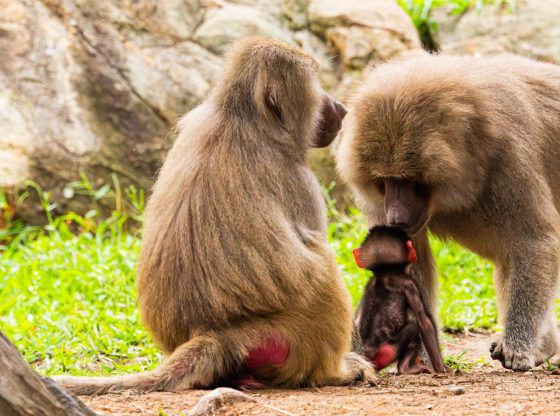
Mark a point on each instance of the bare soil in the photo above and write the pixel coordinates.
(486, 389)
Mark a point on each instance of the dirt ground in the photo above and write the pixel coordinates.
(486, 389)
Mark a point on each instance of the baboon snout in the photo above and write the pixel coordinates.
(406, 204)
(340, 109)
(332, 114)
(398, 216)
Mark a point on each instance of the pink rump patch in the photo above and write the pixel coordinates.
(385, 355)
(273, 353)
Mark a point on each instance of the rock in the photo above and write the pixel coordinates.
(175, 18)
(218, 398)
(96, 86)
(455, 390)
(363, 30)
(226, 24)
(531, 30)
(296, 12)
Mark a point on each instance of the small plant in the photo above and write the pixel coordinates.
(549, 366)
(458, 362)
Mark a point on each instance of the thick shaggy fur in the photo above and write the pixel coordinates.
(235, 250)
(484, 136)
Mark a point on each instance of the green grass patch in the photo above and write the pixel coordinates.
(69, 304)
(67, 290)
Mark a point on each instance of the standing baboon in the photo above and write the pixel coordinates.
(469, 149)
(236, 281)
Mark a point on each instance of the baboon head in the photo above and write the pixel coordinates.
(411, 142)
(385, 246)
(275, 85)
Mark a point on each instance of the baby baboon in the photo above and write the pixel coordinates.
(469, 149)
(383, 316)
(236, 281)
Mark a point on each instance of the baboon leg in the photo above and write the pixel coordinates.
(199, 362)
(530, 336)
(550, 340)
(354, 369)
(413, 364)
(501, 287)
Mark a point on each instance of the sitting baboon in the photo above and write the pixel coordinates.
(469, 149)
(236, 282)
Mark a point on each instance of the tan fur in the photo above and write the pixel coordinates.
(484, 135)
(234, 246)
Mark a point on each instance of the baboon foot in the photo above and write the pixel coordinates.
(360, 370)
(511, 358)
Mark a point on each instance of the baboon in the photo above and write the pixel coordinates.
(469, 149)
(236, 281)
(383, 316)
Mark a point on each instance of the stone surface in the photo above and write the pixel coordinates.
(363, 30)
(531, 29)
(212, 402)
(231, 22)
(296, 12)
(95, 86)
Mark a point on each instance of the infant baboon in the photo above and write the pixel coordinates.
(383, 316)
(469, 149)
(236, 281)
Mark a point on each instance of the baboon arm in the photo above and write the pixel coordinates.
(424, 270)
(527, 302)
(426, 326)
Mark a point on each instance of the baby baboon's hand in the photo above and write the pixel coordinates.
(510, 358)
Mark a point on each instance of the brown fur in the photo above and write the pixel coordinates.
(483, 136)
(234, 247)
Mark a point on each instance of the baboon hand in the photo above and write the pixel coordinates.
(510, 358)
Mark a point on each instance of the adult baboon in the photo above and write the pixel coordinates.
(469, 149)
(236, 281)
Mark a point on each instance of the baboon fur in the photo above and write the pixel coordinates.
(234, 249)
(483, 135)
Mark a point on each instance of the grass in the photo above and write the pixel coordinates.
(67, 292)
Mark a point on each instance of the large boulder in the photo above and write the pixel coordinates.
(531, 28)
(363, 30)
(95, 86)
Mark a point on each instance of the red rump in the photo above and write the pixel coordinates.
(356, 253)
(384, 356)
(411, 252)
(273, 352)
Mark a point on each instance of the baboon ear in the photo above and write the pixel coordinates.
(272, 103)
(266, 96)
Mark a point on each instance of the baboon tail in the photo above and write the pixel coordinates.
(199, 363)
(89, 386)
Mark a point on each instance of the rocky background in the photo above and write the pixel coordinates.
(95, 86)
